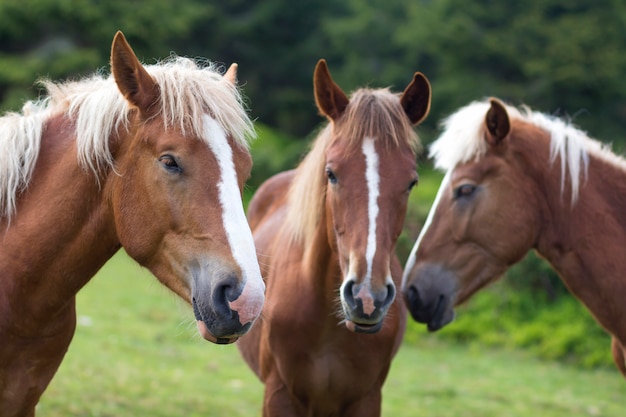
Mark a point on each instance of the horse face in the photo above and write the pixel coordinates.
(367, 197)
(178, 210)
(485, 218)
(369, 179)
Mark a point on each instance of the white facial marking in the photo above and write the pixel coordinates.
(234, 219)
(373, 181)
(411, 260)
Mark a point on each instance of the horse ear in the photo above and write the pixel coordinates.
(231, 74)
(329, 97)
(497, 121)
(416, 98)
(131, 77)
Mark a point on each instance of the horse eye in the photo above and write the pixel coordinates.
(412, 185)
(170, 163)
(464, 190)
(331, 176)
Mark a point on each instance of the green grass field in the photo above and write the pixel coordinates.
(136, 353)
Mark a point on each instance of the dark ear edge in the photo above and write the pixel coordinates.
(329, 97)
(134, 82)
(416, 98)
(497, 122)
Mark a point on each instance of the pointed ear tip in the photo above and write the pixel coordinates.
(119, 41)
(232, 69)
(119, 36)
(321, 65)
(495, 102)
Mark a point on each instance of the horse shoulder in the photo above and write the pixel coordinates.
(270, 196)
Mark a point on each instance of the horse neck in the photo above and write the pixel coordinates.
(320, 263)
(62, 232)
(584, 241)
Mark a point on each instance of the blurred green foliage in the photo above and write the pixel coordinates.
(556, 56)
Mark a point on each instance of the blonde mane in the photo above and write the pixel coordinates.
(463, 140)
(371, 113)
(188, 90)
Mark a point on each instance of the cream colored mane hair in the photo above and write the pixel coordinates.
(188, 90)
(463, 140)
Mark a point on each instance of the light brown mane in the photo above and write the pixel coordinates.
(188, 90)
(372, 113)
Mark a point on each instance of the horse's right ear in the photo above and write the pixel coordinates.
(329, 97)
(416, 98)
(134, 82)
(497, 121)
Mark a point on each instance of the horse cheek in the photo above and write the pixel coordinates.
(136, 227)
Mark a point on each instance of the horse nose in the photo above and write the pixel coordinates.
(416, 305)
(365, 303)
(430, 295)
(435, 309)
(229, 309)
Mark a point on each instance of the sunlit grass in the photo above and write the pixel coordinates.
(136, 353)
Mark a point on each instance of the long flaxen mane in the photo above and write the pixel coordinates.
(189, 89)
(463, 140)
(371, 113)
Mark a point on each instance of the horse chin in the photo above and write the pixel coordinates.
(204, 331)
(363, 328)
(442, 316)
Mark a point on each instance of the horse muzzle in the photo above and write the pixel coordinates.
(225, 310)
(429, 296)
(364, 309)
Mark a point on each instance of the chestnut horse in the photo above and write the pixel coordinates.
(325, 236)
(151, 159)
(518, 180)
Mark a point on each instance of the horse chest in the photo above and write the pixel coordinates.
(318, 362)
(323, 380)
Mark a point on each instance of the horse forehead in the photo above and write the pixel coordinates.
(212, 137)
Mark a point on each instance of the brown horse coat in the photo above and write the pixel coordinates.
(325, 236)
(516, 181)
(133, 161)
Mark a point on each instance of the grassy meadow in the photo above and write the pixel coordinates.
(136, 353)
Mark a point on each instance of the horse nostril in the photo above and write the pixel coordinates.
(391, 294)
(412, 296)
(226, 291)
(348, 294)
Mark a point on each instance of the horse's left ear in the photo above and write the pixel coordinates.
(329, 97)
(497, 121)
(231, 74)
(416, 98)
(131, 77)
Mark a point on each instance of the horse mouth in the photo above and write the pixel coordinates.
(204, 330)
(437, 322)
(364, 327)
(206, 334)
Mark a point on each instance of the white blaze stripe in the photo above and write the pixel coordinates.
(411, 260)
(373, 180)
(234, 219)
